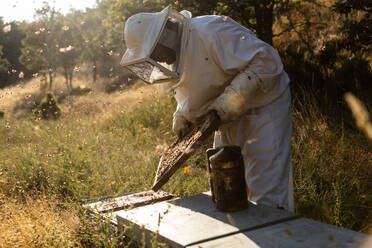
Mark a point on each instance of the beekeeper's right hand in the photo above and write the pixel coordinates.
(180, 124)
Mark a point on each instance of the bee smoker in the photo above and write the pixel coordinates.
(226, 178)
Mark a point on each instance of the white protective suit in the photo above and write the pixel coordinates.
(224, 66)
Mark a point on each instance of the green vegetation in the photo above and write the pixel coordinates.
(79, 158)
(73, 159)
(109, 144)
(48, 107)
(332, 168)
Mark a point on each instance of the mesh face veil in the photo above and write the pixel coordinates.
(154, 45)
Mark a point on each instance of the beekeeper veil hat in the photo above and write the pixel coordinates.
(143, 32)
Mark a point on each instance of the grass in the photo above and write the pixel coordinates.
(36, 223)
(333, 175)
(88, 154)
(110, 145)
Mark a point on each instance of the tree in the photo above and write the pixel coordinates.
(11, 35)
(258, 15)
(41, 44)
(4, 64)
(90, 37)
(357, 26)
(68, 51)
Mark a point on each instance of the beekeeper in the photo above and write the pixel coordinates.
(213, 63)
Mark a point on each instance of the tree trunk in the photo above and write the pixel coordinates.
(66, 78)
(70, 77)
(50, 79)
(94, 71)
(265, 19)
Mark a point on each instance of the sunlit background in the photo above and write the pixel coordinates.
(12, 10)
(75, 125)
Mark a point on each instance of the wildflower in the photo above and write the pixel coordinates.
(14, 70)
(37, 32)
(77, 68)
(7, 28)
(65, 28)
(42, 29)
(21, 75)
(186, 169)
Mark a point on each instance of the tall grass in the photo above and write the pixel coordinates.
(332, 166)
(79, 159)
(85, 156)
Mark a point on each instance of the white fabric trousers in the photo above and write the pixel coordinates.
(264, 136)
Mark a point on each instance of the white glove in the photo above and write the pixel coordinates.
(230, 105)
(180, 124)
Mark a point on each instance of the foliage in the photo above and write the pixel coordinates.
(48, 107)
(91, 37)
(4, 64)
(40, 47)
(254, 14)
(78, 159)
(10, 50)
(68, 54)
(332, 166)
(88, 153)
(357, 25)
(319, 60)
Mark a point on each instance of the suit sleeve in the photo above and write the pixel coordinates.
(255, 64)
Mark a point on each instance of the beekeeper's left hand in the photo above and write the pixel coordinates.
(180, 124)
(230, 105)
